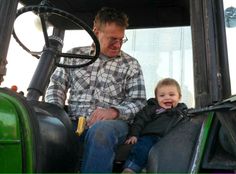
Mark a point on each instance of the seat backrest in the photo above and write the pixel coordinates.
(174, 152)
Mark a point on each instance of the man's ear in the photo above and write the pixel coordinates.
(95, 30)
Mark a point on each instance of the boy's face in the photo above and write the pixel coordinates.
(168, 96)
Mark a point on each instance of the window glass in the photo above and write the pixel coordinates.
(164, 52)
(161, 52)
(230, 24)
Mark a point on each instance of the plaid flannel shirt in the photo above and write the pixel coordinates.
(108, 82)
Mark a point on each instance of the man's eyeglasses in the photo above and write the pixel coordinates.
(113, 40)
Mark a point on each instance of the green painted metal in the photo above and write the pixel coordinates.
(204, 133)
(15, 136)
(10, 141)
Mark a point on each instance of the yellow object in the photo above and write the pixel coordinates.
(81, 125)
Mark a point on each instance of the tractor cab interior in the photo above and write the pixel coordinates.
(206, 143)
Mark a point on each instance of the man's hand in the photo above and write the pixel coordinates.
(131, 140)
(102, 114)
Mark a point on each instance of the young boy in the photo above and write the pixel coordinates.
(153, 122)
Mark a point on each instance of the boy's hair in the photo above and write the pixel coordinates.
(109, 15)
(168, 82)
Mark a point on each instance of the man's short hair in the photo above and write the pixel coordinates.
(110, 15)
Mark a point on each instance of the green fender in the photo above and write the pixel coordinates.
(16, 143)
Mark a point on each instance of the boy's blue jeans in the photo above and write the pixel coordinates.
(100, 143)
(138, 155)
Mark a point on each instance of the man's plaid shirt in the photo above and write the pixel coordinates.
(108, 82)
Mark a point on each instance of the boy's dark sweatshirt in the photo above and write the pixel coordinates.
(154, 120)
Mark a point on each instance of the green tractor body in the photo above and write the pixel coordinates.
(35, 137)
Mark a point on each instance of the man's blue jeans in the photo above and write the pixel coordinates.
(100, 143)
(138, 155)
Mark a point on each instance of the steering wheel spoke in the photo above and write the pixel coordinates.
(76, 56)
(44, 28)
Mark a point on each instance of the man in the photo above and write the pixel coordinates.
(108, 92)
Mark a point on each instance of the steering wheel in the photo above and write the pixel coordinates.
(44, 13)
